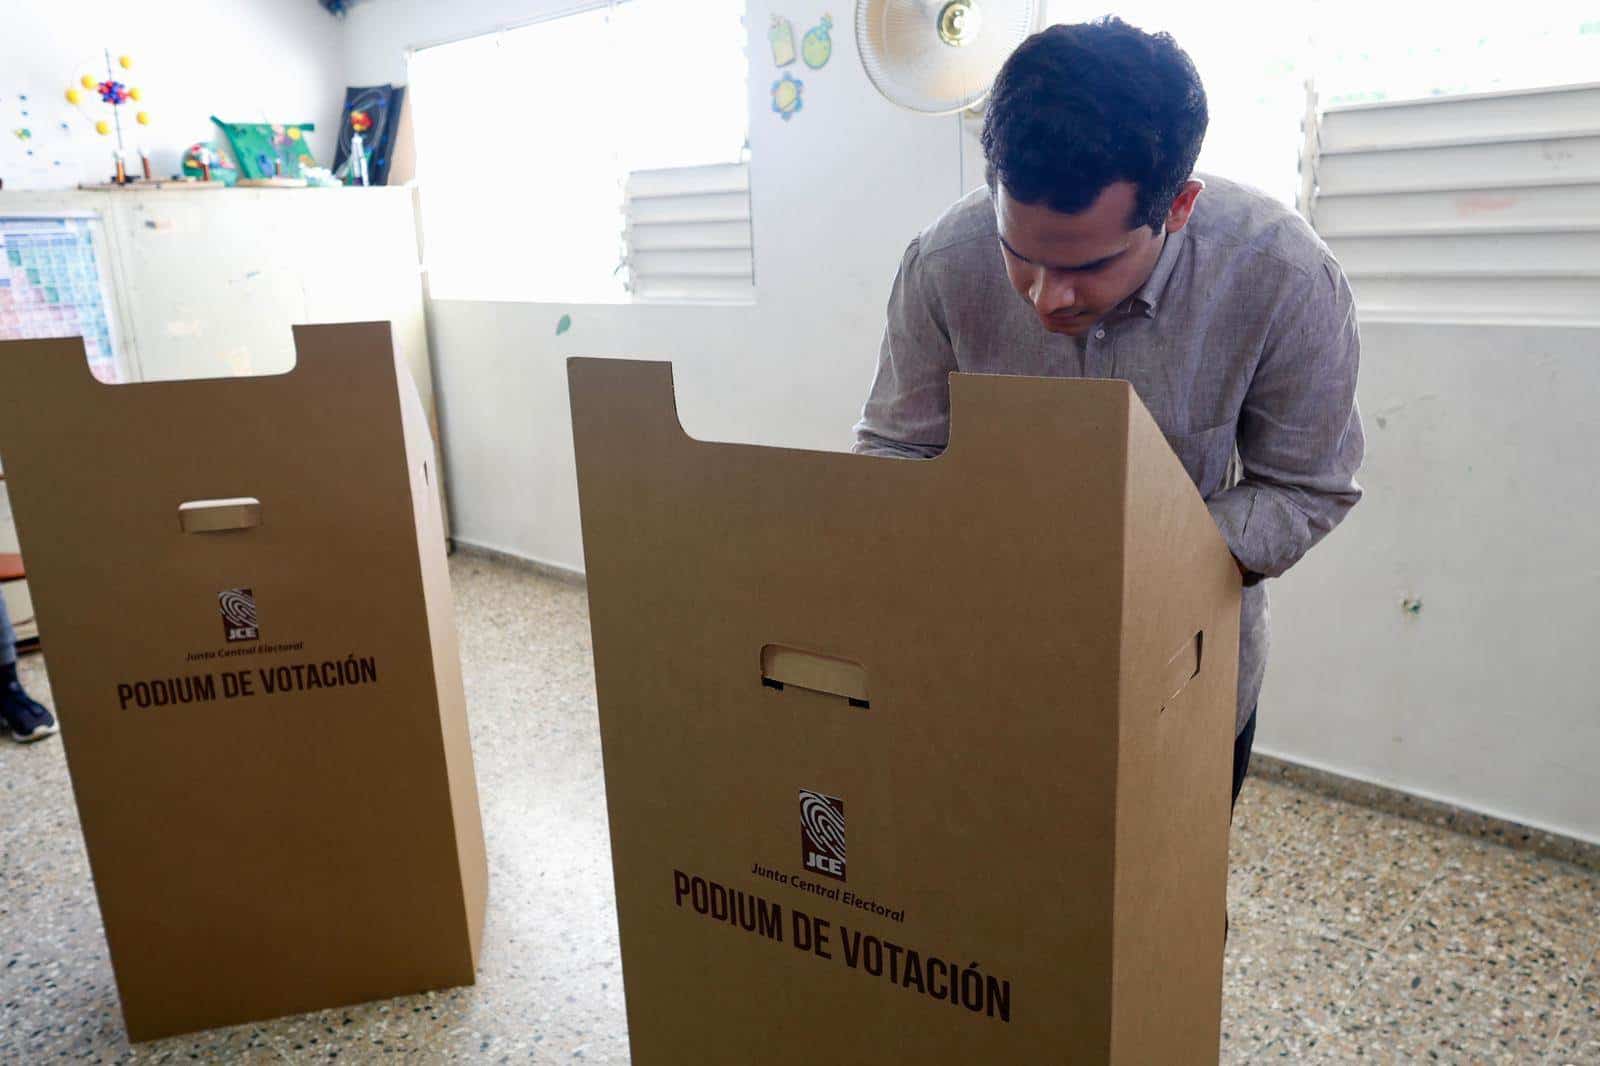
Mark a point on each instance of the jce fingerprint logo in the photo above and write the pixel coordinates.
(822, 833)
(238, 614)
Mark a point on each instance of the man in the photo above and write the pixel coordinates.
(24, 717)
(1094, 252)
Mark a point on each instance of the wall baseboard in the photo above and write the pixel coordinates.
(564, 574)
(1430, 812)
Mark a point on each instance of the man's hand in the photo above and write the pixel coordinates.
(1247, 576)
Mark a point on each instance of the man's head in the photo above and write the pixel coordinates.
(1091, 136)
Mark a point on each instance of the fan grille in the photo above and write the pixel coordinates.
(910, 63)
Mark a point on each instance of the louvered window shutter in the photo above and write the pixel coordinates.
(1473, 208)
(688, 236)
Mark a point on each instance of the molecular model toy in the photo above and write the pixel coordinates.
(116, 95)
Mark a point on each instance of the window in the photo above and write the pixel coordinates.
(1256, 61)
(1472, 207)
(598, 156)
(1420, 53)
(1455, 168)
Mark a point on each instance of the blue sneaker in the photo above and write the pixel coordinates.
(24, 716)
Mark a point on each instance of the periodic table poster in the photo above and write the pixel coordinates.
(52, 285)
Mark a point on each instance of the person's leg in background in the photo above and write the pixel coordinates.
(1241, 757)
(25, 718)
(1241, 763)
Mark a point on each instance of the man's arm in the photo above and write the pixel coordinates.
(1300, 438)
(907, 413)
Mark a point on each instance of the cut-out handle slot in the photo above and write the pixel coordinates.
(782, 666)
(1182, 668)
(218, 516)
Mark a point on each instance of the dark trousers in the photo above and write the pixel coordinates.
(1241, 754)
(1241, 763)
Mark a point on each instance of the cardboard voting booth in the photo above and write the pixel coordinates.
(911, 761)
(242, 592)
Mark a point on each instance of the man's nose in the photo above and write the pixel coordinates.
(1052, 292)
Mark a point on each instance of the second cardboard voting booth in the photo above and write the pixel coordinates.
(911, 761)
(241, 587)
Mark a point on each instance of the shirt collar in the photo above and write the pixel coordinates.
(1148, 297)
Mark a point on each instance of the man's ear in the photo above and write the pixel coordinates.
(1183, 204)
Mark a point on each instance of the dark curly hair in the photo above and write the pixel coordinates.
(1078, 107)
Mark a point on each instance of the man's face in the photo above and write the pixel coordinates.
(1075, 269)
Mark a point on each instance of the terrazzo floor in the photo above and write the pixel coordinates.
(1357, 935)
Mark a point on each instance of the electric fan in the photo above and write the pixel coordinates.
(939, 57)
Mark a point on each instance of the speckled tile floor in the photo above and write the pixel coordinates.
(1357, 936)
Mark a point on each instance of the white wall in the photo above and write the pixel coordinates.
(241, 60)
(1483, 501)
(1481, 490)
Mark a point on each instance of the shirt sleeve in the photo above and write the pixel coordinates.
(907, 413)
(1300, 438)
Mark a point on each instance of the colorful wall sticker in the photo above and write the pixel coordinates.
(786, 95)
(817, 46)
(781, 36)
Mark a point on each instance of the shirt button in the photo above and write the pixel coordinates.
(1100, 334)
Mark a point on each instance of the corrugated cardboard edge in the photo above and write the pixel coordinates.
(471, 851)
(1175, 750)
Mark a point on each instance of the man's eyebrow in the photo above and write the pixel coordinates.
(1086, 266)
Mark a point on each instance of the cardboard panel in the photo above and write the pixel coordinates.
(264, 724)
(1180, 663)
(801, 878)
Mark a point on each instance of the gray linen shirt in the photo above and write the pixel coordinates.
(1242, 343)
